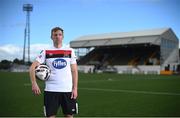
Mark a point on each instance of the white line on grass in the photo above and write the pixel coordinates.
(124, 91)
(130, 91)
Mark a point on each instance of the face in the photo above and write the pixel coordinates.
(57, 37)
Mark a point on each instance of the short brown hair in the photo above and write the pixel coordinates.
(56, 29)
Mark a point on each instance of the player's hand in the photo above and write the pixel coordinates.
(35, 89)
(74, 93)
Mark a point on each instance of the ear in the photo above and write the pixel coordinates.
(51, 38)
(62, 36)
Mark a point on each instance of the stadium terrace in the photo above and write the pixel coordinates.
(153, 51)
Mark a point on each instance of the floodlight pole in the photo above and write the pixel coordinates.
(28, 8)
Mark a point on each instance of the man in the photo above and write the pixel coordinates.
(61, 87)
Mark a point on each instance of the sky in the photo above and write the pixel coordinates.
(78, 18)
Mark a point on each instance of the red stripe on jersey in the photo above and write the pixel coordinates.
(58, 52)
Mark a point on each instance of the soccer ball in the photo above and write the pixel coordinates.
(42, 72)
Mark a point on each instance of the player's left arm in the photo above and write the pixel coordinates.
(74, 71)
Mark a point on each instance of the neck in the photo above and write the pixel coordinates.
(58, 45)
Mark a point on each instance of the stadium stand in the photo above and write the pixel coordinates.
(19, 68)
(148, 51)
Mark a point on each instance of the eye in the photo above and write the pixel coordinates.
(60, 34)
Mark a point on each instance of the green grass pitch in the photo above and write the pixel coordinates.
(100, 95)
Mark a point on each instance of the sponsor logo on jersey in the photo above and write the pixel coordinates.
(59, 63)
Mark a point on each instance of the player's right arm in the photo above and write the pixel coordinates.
(35, 88)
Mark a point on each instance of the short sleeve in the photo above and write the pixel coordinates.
(73, 57)
(41, 57)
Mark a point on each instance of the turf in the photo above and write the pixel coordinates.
(100, 95)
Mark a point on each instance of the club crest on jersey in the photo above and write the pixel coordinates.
(59, 63)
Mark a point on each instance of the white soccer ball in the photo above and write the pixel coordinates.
(42, 72)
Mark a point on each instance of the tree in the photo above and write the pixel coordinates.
(5, 64)
(17, 61)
